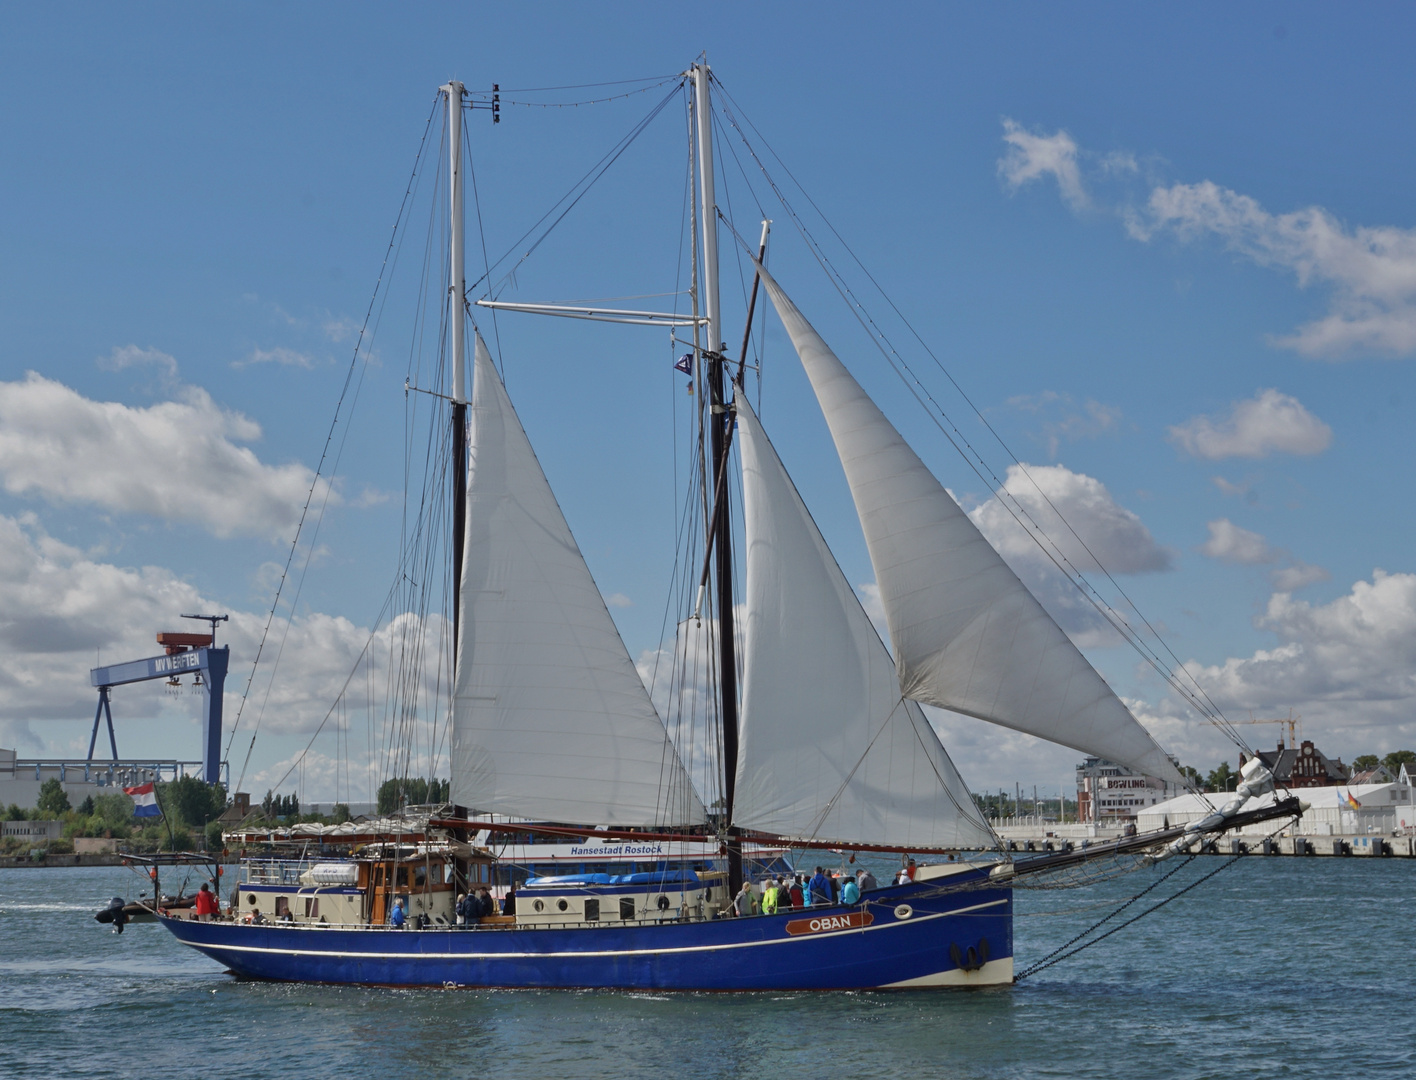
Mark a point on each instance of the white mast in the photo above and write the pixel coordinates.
(709, 203)
(457, 276)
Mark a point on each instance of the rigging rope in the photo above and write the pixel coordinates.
(584, 184)
(1054, 958)
(483, 98)
(1068, 950)
(1177, 677)
(324, 453)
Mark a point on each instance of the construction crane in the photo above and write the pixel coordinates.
(1290, 722)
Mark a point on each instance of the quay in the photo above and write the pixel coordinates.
(35, 861)
(1046, 838)
(1337, 820)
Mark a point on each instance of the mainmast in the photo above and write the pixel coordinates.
(457, 291)
(719, 425)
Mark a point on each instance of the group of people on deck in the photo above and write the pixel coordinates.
(471, 908)
(475, 906)
(798, 892)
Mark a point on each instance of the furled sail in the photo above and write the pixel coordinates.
(550, 720)
(830, 751)
(967, 633)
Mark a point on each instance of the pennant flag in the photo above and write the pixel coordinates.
(685, 363)
(1351, 802)
(144, 800)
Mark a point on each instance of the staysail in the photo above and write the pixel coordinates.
(967, 633)
(550, 719)
(830, 751)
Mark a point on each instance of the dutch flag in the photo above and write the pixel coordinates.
(144, 800)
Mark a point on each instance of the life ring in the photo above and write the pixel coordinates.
(903, 911)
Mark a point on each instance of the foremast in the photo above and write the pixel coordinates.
(454, 92)
(719, 421)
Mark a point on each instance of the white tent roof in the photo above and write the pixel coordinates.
(1185, 808)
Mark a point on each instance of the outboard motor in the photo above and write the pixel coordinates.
(114, 914)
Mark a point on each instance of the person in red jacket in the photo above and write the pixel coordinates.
(207, 904)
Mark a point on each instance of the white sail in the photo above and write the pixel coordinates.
(550, 719)
(829, 750)
(967, 633)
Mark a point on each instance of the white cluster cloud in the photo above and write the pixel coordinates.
(1371, 270)
(1348, 666)
(1229, 543)
(1269, 422)
(63, 610)
(127, 356)
(1116, 537)
(1031, 156)
(179, 460)
(1072, 510)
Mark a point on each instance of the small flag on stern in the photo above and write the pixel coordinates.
(1352, 804)
(685, 363)
(144, 800)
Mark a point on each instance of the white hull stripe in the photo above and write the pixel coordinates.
(993, 973)
(586, 953)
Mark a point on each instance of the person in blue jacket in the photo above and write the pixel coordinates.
(820, 889)
(395, 918)
(850, 891)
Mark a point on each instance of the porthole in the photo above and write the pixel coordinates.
(251, 899)
(903, 911)
(562, 905)
(663, 903)
(539, 905)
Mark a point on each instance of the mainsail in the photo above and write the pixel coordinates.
(967, 633)
(550, 719)
(830, 751)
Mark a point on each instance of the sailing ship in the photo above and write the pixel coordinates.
(825, 744)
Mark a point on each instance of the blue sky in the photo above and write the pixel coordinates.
(1170, 254)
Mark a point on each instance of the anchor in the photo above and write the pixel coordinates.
(973, 959)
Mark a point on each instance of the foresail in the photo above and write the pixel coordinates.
(829, 750)
(967, 633)
(550, 721)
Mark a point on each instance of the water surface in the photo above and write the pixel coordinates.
(1278, 967)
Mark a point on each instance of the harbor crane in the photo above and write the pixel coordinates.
(1290, 723)
(184, 653)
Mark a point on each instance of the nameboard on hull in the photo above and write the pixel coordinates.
(854, 920)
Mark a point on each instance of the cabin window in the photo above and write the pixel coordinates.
(592, 910)
(251, 899)
(420, 877)
(312, 907)
(282, 907)
(626, 907)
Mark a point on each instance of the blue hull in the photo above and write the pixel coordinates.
(914, 935)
